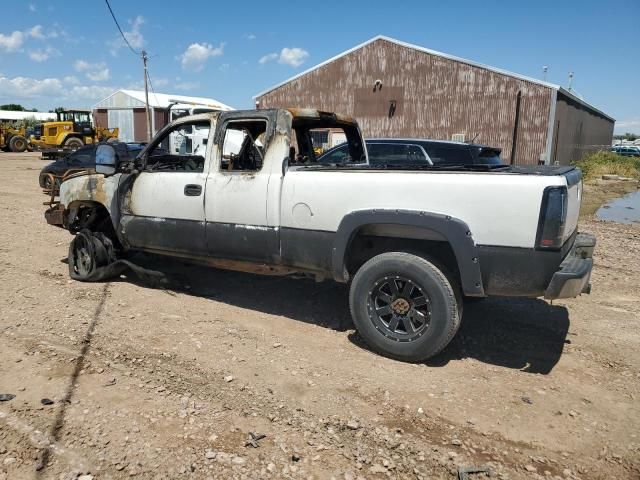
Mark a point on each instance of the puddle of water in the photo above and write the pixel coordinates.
(622, 210)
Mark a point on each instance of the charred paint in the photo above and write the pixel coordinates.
(89, 188)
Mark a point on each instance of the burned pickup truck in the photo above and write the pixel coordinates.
(412, 241)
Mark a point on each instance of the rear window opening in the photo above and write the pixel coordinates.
(313, 137)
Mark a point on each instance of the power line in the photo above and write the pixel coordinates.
(151, 85)
(120, 29)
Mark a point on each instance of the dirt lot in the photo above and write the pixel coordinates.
(151, 383)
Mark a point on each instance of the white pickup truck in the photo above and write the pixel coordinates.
(412, 241)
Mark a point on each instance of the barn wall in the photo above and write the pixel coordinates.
(578, 131)
(100, 118)
(432, 97)
(140, 125)
(160, 118)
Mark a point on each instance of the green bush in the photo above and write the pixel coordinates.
(601, 163)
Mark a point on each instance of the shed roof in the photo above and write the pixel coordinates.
(443, 55)
(158, 100)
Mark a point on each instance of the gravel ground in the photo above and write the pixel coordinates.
(150, 383)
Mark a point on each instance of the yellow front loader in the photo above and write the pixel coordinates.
(71, 130)
(12, 139)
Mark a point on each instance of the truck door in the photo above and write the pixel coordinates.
(163, 208)
(242, 203)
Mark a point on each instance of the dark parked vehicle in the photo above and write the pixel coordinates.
(626, 150)
(415, 151)
(82, 159)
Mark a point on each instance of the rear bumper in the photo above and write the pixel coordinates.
(572, 279)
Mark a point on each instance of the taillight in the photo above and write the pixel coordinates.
(553, 217)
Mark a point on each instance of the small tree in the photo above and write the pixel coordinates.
(14, 107)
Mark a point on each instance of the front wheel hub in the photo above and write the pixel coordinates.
(399, 308)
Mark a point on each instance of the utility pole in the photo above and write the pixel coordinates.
(544, 73)
(146, 94)
(570, 80)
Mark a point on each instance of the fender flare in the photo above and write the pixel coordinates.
(454, 230)
(64, 136)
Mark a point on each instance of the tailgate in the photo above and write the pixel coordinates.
(574, 199)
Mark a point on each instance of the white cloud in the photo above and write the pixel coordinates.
(99, 75)
(97, 72)
(186, 86)
(631, 125)
(267, 58)
(53, 90)
(250, 36)
(293, 56)
(25, 87)
(12, 42)
(133, 36)
(287, 56)
(32, 7)
(197, 54)
(36, 32)
(71, 79)
(160, 82)
(42, 55)
(90, 92)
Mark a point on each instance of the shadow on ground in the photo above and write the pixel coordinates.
(520, 333)
(523, 334)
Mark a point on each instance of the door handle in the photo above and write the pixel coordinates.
(192, 190)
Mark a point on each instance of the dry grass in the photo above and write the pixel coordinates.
(608, 163)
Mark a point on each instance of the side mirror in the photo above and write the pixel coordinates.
(106, 160)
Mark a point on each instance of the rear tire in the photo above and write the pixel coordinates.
(18, 144)
(73, 143)
(404, 306)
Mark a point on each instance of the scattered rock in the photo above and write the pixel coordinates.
(456, 442)
(295, 457)
(277, 344)
(527, 400)
(210, 454)
(5, 397)
(228, 378)
(238, 461)
(530, 468)
(9, 461)
(377, 468)
(46, 401)
(85, 477)
(353, 425)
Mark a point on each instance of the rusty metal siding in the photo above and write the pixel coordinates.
(100, 118)
(140, 125)
(160, 118)
(441, 97)
(578, 131)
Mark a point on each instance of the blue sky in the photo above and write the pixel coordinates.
(70, 53)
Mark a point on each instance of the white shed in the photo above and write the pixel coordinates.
(125, 109)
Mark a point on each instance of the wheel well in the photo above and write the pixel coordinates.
(69, 136)
(372, 240)
(92, 216)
